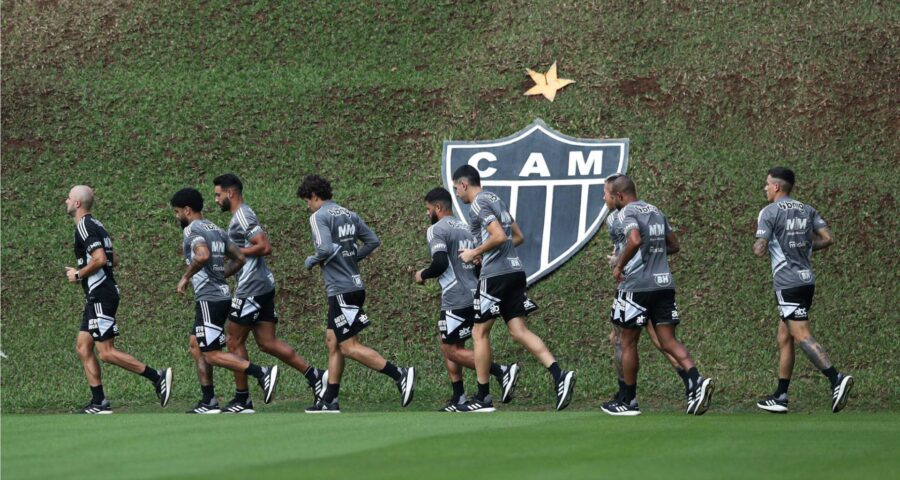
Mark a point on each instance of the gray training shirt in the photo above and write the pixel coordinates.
(485, 209)
(209, 283)
(788, 225)
(254, 278)
(648, 270)
(335, 232)
(458, 282)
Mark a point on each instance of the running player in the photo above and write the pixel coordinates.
(96, 260)
(253, 307)
(502, 288)
(205, 248)
(791, 231)
(458, 284)
(647, 295)
(336, 232)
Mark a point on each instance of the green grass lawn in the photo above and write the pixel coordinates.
(433, 445)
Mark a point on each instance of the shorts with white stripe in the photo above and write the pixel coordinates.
(636, 309)
(99, 319)
(209, 323)
(503, 296)
(346, 316)
(794, 303)
(456, 325)
(251, 310)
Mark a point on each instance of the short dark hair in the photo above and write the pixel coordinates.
(188, 197)
(612, 178)
(786, 175)
(468, 172)
(623, 184)
(229, 180)
(314, 184)
(440, 196)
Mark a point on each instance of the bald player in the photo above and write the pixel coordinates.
(96, 260)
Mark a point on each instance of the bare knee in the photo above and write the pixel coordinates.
(106, 355)
(267, 346)
(347, 348)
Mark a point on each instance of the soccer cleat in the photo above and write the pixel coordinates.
(564, 389)
(478, 406)
(452, 406)
(508, 382)
(268, 381)
(235, 406)
(841, 393)
(210, 408)
(617, 407)
(164, 386)
(101, 408)
(700, 396)
(407, 385)
(319, 387)
(774, 404)
(325, 407)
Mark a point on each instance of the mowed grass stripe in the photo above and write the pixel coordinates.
(432, 445)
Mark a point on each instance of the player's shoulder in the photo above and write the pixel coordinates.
(613, 218)
(244, 215)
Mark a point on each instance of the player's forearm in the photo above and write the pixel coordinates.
(370, 243)
(759, 247)
(627, 254)
(491, 243)
(256, 250)
(233, 267)
(193, 268)
(96, 263)
(439, 264)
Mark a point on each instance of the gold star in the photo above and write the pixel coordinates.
(546, 84)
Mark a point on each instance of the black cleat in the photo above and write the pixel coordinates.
(407, 385)
(617, 407)
(452, 406)
(700, 396)
(774, 404)
(319, 386)
(164, 386)
(235, 406)
(841, 393)
(478, 406)
(210, 408)
(564, 389)
(508, 382)
(325, 407)
(101, 408)
(268, 382)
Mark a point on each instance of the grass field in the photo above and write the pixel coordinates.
(433, 445)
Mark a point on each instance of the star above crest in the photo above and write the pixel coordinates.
(546, 84)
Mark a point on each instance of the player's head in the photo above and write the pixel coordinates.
(779, 180)
(622, 190)
(607, 191)
(315, 190)
(188, 205)
(464, 178)
(227, 188)
(80, 196)
(438, 204)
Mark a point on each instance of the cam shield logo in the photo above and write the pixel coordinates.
(551, 183)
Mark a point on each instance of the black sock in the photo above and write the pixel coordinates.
(555, 372)
(497, 370)
(693, 378)
(331, 392)
(150, 374)
(254, 370)
(97, 396)
(208, 392)
(630, 393)
(832, 375)
(622, 387)
(458, 391)
(684, 376)
(783, 384)
(311, 375)
(484, 389)
(242, 396)
(392, 371)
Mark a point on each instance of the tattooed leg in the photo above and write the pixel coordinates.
(616, 339)
(815, 353)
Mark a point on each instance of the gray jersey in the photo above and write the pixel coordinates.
(486, 209)
(649, 268)
(616, 235)
(209, 283)
(254, 278)
(336, 232)
(788, 225)
(458, 282)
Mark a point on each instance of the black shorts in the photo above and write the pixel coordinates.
(346, 316)
(794, 303)
(455, 326)
(209, 323)
(99, 319)
(503, 295)
(616, 307)
(635, 309)
(251, 310)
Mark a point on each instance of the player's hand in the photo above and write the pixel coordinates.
(467, 255)
(613, 260)
(419, 278)
(70, 274)
(182, 285)
(310, 262)
(477, 260)
(618, 274)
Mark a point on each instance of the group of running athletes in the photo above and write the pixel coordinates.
(481, 279)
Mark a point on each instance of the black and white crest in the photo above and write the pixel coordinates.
(552, 184)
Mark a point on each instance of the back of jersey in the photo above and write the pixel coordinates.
(487, 208)
(209, 283)
(649, 268)
(458, 282)
(788, 225)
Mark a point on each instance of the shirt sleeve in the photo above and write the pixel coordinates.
(321, 236)
(765, 224)
(368, 237)
(486, 211)
(629, 221)
(436, 240)
(817, 221)
(90, 237)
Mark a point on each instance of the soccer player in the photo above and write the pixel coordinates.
(791, 231)
(647, 295)
(253, 307)
(502, 288)
(458, 283)
(205, 248)
(336, 233)
(617, 237)
(96, 260)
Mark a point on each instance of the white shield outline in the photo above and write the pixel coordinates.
(585, 231)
